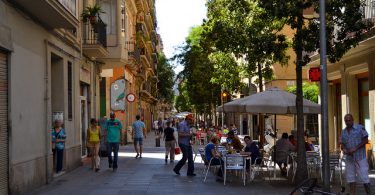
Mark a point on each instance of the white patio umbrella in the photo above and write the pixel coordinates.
(271, 101)
(276, 101)
(182, 114)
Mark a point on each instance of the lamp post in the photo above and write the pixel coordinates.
(324, 96)
(224, 94)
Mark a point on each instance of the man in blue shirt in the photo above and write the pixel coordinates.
(252, 150)
(114, 127)
(139, 131)
(353, 140)
(184, 136)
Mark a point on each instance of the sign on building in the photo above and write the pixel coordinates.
(118, 95)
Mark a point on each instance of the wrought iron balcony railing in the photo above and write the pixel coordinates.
(95, 33)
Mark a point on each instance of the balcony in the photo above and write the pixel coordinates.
(140, 4)
(52, 13)
(95, 40)
(134, 58)
(145, 57)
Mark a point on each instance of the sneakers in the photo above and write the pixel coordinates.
(137, 156)
(176, 171)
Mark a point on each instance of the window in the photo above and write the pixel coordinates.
(70, 91)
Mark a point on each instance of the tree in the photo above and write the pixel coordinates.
(166, 79)
(310, 91)
(345, 28)
(197, 73)
(242, 28)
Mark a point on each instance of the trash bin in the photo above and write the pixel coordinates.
(157, 141)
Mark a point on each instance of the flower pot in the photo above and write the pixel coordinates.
(92, 20)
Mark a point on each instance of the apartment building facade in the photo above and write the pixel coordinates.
(133, 62)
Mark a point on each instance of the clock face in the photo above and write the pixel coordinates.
(130, 97)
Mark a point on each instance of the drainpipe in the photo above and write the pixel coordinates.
(47, 128)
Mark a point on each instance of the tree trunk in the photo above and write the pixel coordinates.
(301, 174)
(261, 116)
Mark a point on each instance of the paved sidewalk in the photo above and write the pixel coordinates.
(150, 175)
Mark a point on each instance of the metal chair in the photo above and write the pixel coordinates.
(203, 138)
(335, 162)
(255, 167)
(235, 162)
(314, 163)
(207, 164)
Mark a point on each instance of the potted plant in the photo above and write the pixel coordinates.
(91, 13)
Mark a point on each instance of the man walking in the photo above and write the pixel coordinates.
(353, 140)
(114, 127)
(139, 131)
(184, 135)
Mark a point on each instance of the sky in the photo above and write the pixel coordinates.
(175, 18)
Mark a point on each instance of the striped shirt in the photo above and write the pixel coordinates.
(352, 139)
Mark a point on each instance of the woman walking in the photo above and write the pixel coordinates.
(93, 140)
(58, 144)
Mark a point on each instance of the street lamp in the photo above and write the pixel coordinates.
(224, 95)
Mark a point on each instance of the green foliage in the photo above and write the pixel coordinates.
(197, 88)
(345, 24)
(166, 79)
(226, 71)
(181, 101)
(244, 29)
(310, 91)
(88, 12)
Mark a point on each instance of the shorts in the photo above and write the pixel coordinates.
(140, 140)
(357, 171)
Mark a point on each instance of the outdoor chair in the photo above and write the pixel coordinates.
(255, 168)
(335, 162)
(203, 138)
(314, 163)
(235, 162)
(207, 164)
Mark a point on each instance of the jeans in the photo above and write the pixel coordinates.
(113, 147)
(59, 159)
(187, 154)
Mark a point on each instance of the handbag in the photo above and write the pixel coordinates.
(177, 150)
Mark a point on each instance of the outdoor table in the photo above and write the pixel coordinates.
(235, 162)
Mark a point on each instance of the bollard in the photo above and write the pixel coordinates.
(157, 141)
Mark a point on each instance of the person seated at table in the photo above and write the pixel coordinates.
(308, 143)
(252, 150)
(283, 148)
(211, 153)
(234, 141)
(218, 133)
(293, 140)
